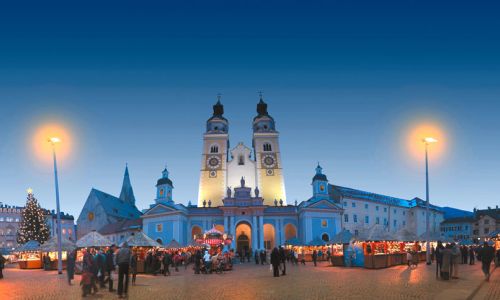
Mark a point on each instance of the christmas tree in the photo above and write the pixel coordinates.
(33, 226)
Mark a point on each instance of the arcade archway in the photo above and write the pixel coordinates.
(269, 235)
(290, 232)
(243, 237)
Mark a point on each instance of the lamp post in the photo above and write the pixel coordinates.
(427, 141)
(53, 141)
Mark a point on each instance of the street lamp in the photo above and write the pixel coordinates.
(53, 141)
(427, 141)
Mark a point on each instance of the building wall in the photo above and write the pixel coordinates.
(269, 179)
(235, 171)
(100, 218)
(67, 226)
(213, 187)
(457, 230)
(10, 219)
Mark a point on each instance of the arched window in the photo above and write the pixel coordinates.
(267, 147)
(214, 149)
(241, 160)
(325, 237)
(159, 241)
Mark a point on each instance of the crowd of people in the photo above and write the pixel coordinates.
(98, 267)
(452, 255)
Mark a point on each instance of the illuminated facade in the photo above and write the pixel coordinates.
(222, 167)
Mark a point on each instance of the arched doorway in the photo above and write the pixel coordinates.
(269, 235)
(290, 232)
(196, 230)
(159, 241)
(243, 237)
(220, 228)
(325, 237)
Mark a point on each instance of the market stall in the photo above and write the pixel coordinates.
(50, 249)
(338, 245)
(374, 242)
(215, 240)
(29, 255)
(89, 242)
(141, 244)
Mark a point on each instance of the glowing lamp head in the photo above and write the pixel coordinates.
(54, 140)
(429, 140)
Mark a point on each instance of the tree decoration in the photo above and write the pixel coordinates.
(33, 226)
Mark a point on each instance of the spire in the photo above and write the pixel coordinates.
(319, 169)
(127, 193)
(262, 106)
(165, 172)
(218, 107)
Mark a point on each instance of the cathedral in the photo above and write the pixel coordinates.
(242, 193)
(223, 167)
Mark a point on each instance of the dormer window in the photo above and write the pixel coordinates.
(214, 149)
(267, 147)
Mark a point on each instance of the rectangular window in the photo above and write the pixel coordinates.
(367, 219)
(404, 213)
(385, 209)
(404, 223)
(466, 227)
(356, 232)
(324, 223)
(355, 217)
(376, 208)
(395, 223)
(366, 206)
(385, 221)
(345, 203)
(346, 218)
(353, 204)
(486, 230)
(377, 220)
(159, 227)
(486, 222)
(395, 211)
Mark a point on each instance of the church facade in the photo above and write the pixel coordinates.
(242, 192)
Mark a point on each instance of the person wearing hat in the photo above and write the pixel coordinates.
(123, 258)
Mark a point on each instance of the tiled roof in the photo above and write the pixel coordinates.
(358, 194)
(383, 199)
(492, 212)
(116, 207)
(121, 226)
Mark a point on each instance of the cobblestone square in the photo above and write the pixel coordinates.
(248, 281)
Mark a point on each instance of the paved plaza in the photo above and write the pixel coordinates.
(249, 281)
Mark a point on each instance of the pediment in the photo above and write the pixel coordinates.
(160, 209)
(323, 204)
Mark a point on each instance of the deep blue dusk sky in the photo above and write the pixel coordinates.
(136, 81)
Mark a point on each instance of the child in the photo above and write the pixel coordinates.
(409, 258)
(86, 283)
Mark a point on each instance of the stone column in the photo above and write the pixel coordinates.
(261, 232)
(255, 244)
(226, 228)
(232, 231)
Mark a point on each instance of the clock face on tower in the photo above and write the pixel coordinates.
(268, 161)
(213, 162)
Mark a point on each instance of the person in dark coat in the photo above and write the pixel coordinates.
(315, 257)
(101, 267)
(439, 254)
(110, 266)
(149, 262)
(70, 266)
(283, 260)
(2, 265)
(275, 262)
(471, 256)
(262, 256)
(197, 262)
(167, 261)
(256, 257)
(486, 255)
(133, 266)
(123, 258)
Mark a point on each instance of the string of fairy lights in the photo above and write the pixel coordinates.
(33, 226)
